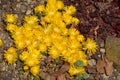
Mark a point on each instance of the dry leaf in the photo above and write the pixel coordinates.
(49, 77)
(97, 76)
(61, 77)
(109, 68)
(46, 76)
(43, 75)
(91, 69)
(100, 66)
(64, 68)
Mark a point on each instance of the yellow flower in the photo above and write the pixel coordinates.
(62, 25)
(54, 52)
(31, 19)
(11, 27)
(73, 31)
(47, 19)
(57, 30)
(66, 53)
(60, 45)
(51, 1)
(90, 45)
(31, 61)
(70, 10)
(10, 55)
(76, 70)
(42, 47)
(57, 18)
(35, 70)
(24, 55)
(39, 8)
(73, 44)
(54, 35)
(20, 44)
(50, 10)
(17, 33)
(35, 53)
(75, 20)
(80, 38)
(47, 40)
(27, 26)
(1, 43)
(67, 19)
(25, 67)
(60, 5)
(10, 18)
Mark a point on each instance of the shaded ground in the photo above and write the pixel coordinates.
(99, 19)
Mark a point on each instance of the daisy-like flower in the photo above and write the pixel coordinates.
(39, 8)
(24, 55)
(67, 19)
(11, 27)
(35, 53)
(76, 70)
(70, 10)
(75, 20)
(31, 61)
(10, 18)
(11, 55)
(20, 44)
(73, 31)
(35, 70)
(54, 52)
(90, 45)
(80, 38)
(42, 47)
(60, 4)
(25, 67)
(31, 19)
(74, 44)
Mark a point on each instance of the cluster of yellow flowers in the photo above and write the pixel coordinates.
(49, 33)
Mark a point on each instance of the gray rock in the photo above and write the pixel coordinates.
(112, 47)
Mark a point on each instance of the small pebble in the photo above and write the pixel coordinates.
(102, 50)
(28, 12)
(91, 62)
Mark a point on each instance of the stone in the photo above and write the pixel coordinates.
(102, 50)
(112, 47)
(91, 62)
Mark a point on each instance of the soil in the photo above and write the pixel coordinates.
(98, 19)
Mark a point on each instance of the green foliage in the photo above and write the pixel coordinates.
(82, 76)
(78, 63)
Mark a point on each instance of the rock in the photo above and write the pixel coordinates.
(112, 47)
(102, 50)
(91, 62)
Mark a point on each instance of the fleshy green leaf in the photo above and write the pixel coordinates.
(78, 63)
